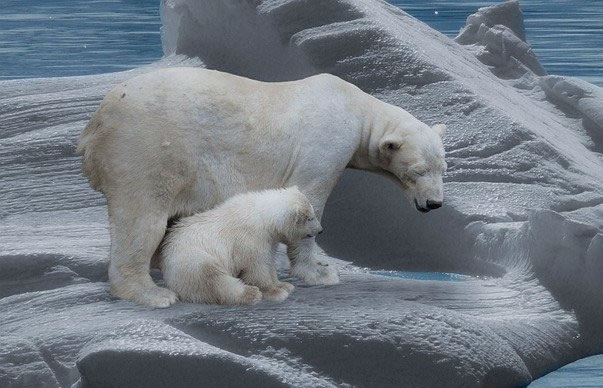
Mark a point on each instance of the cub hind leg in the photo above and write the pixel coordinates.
(214, 285)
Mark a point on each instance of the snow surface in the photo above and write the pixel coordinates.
(523, 216)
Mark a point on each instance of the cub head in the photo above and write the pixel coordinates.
(301, 220)
(415, 156)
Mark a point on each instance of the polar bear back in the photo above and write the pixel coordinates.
(214, 135)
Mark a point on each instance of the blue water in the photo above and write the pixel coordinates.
(439, 276)
(567, 35)
(50, 38)
(584, 373)
(44, 38)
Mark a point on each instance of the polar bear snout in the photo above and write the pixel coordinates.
(433, 204)
(315, 228)
(315, 234)
(420, 208)
(429, 205)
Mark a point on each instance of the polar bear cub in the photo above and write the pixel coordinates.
(227, 255)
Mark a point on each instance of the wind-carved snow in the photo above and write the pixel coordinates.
(523, 215)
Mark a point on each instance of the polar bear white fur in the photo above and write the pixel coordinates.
(176, 141)
(227, 255)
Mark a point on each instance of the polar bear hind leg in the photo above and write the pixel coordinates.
(219, 287)
(136, 230)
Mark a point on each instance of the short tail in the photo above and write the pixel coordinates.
(85, 147)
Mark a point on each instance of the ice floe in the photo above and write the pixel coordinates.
(523, 218)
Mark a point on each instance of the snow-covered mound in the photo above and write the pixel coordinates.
(523, 214)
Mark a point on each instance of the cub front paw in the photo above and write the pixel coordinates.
(251, 295)
(276, 294)
(286, 286)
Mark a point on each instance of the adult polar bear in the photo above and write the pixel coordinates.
(177, 141)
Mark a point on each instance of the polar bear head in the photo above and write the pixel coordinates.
(414, 154)
(300, 220)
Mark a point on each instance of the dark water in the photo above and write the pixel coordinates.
(438, 276)
(53, 38)
(48, 38)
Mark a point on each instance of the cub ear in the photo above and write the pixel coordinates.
(295, 214)
(440, 129)
(390, 143)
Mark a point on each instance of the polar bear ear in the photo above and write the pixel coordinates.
(390, 143)
(294, 214)
(440, 129)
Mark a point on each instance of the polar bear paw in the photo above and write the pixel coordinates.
(153, 296)
(286, 286)
(251, 295)
(276, 294)
(162, 297)
(315, 272)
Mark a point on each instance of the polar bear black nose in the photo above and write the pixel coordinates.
(433, 204)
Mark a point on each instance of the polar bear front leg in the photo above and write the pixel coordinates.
(262, 274)
(305, 266)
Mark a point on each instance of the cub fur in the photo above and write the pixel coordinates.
(227, 255)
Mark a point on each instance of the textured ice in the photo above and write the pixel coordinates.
(497, 35)
(523, 216)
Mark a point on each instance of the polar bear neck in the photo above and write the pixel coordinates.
(377, 119)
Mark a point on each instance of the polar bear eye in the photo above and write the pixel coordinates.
(419, 172)
(311, 219)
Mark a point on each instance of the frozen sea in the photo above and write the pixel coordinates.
(65, 38)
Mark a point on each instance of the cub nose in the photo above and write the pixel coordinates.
(433, 204)
(320, 231)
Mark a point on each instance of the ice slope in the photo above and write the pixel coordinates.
(524, 214)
